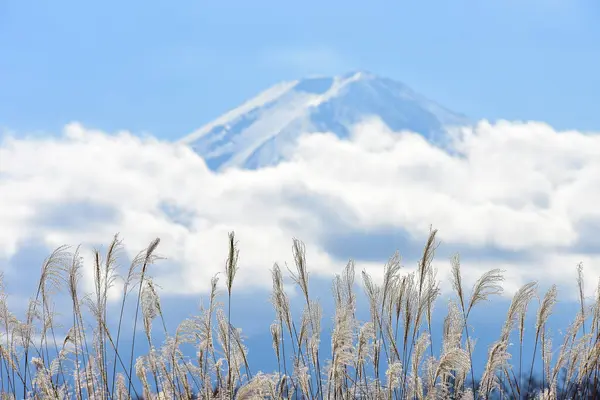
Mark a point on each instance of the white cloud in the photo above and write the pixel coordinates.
(514, 186)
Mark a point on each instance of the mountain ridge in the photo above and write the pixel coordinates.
(262, 131)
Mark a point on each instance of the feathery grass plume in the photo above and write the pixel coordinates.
(374, 296)
(453, 328)
(387, 298)
(150, 307)
(430, 388)
(230, 271)
(457, 278)
(280, 300)
(149, 258)
(415, 386)
(171, 353)
(306, 339)
(433, 291)
(498, 357)
(344, 331)
(580, 287)
(283, 314)
(426, 291)
(391, 272)
(241, 352)
(458, 385)
(202, 329)
(373, 292)
(275, 342)
(364, 351)
(121, 390)
(300, 277)
(78, 334)
(104, 278)
(518, 306)
(487, 285)
(596, 312)
(544, 311)
(455, 359)
(315, 312)
(565, 351)
(342, 347)
(303, 378)
(466, 395)
(140, 371)
(262, 386)
(574, 348)
(410, 305)
(91, 379)
(548, 394)
(428, 254)
(8, 320)
(546, 356)
(400, 291)
(596, 328)
(51, 277)
(425, 298)
(516, 313)
(42, 382)
(451, 340)
(186, 333)
(453, 363)
(231, 267)
(427, 276)
(590, 357)
(577, 354)
(164, 372)
(129, 283)
(348, 277)
(393, 377)
(224, 336)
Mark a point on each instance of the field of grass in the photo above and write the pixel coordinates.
(388, 356)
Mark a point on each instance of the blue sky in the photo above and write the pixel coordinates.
(166, 69)
(523, 197)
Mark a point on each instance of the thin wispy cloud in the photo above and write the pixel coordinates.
(520, 188)
(305, 60)
(557, 14)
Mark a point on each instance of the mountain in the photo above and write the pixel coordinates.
(262, 131)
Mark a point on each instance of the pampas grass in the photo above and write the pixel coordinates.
(388, 356)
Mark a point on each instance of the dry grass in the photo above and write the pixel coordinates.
(389, 356)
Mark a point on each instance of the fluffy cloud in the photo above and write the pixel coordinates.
(518, 188)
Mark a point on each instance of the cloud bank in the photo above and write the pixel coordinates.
(520, 196)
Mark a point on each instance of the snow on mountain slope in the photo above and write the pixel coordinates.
(263, 130)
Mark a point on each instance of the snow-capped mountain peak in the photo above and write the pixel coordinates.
(263, 130)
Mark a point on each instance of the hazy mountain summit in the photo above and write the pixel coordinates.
(262, 131)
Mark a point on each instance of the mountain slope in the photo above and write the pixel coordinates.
(263, 130)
